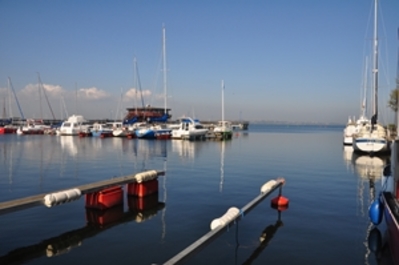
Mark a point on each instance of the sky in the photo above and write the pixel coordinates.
(287, 60)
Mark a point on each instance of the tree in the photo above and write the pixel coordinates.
(393, 97)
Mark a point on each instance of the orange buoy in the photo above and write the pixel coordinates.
(280, 203)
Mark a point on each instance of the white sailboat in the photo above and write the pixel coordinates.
(224, 129)
(158, 131)
(353, 126)
(372, 138)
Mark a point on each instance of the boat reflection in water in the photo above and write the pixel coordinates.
(370, 169)
(68, 144)
(185, 148)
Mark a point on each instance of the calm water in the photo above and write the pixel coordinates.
(326, 223)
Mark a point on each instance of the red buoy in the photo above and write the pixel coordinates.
(280, 203)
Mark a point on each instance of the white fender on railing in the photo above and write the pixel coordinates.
(61, 197)
(230, 215)
(146, 176)
(268, 186)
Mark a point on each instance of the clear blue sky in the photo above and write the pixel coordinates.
(285, 60)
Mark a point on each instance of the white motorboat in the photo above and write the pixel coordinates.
(74, 125)
(189, 129)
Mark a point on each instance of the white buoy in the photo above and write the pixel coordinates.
(230, 215)
(61, 197)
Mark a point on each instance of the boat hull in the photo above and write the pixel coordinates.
(145, 134)
(371, 145)
(190, 134)
(391, 216)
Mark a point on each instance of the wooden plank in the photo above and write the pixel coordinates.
(36, 200)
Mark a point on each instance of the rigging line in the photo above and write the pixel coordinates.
(156, 78)
(118, 109)
(139, 83)
(16, 99)
(41, 88)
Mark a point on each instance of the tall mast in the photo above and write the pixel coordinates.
(164, 65)
(40, 97)
(9, 100)
(4, 109)
(375, 66)
(223, 100)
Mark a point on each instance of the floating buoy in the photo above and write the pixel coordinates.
(375, 211)
(280, 202)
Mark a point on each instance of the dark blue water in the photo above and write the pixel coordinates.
(327, 221)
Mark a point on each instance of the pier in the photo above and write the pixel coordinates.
(37, 200)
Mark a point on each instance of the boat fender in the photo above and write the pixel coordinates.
(268, 186)
(61, 197)
(229, 216)
(376, 210)
(374, 240)
(146, 176)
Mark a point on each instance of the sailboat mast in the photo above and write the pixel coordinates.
(375, 66)
(223, 100)
(164, 65)
(40, 97)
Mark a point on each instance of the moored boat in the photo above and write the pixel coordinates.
(101, 130)
(373, 138)
(119, 129)
(223, 130)
(190, 129)
(73, 125)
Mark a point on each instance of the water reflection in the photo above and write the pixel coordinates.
(222, 145)
(265, 238)
(68, 144)
(140, 210)
(368, 169)
(183, 148)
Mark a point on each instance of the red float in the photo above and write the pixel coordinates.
(143, 189)
(105, 198)
(142, 203)
(280, 203)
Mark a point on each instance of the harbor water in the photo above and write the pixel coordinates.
(329, 190)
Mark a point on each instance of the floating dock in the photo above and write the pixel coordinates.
(72, 193)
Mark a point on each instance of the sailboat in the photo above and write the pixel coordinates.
(158, 131)
(224, 129)
(353, 127)
(372, 138)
